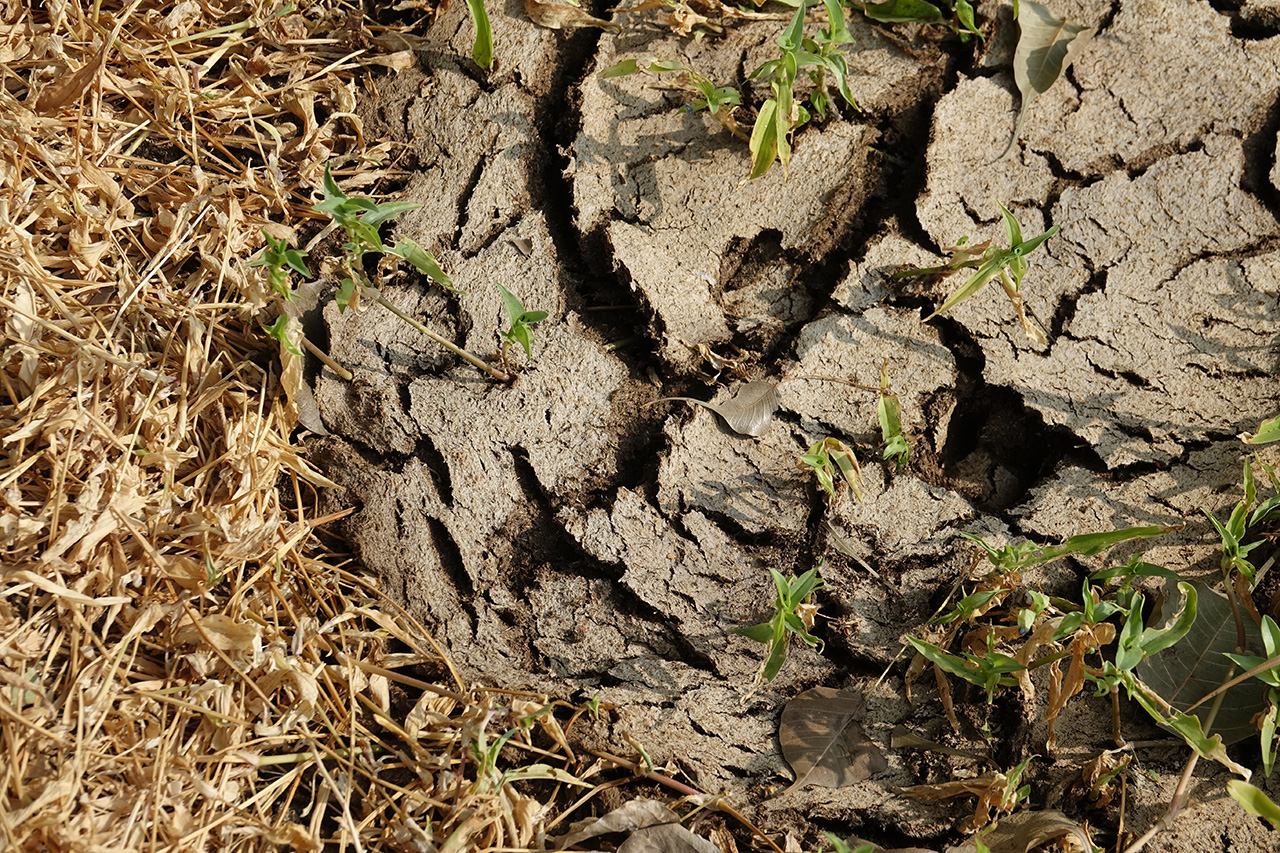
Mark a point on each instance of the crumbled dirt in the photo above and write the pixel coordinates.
(573, 534)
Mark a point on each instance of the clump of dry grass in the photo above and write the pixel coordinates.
(182, 665)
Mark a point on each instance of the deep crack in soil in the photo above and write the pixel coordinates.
(571, 534)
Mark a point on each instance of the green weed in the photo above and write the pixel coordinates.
(819, 57)
(520, 331)
(826, 459)
(793, 614)
(1008, 265)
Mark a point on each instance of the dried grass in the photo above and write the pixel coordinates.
(182, 665)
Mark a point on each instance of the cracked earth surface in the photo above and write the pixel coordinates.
(570, 534)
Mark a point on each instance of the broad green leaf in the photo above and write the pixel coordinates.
(1047, 45)
(423, 262)
(531, 317)
(761, 633)
(903, 11)
(482, 50)
(621, 69)
(280, 331)
(964, 14)
(387, 210)
(794, 33)
(823, 742)
(1268, 432)
(522, 335)
(1195, 666)
(1011, 226)
(664, 66)
(1254, 801)
(764, 139)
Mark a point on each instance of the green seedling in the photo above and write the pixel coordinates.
(482, 48)
(1008, 265)
(279, 259)
(1267, 670)
(889, 412)
(719, 101)
(521, 320)
(1012, 558)
(989, 671)
(961, 17)
(360, 218)
(793, 614)
(827, 457)
(781, 114)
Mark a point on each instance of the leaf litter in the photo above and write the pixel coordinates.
(184, 663)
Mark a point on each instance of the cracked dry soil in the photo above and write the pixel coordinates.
(570, 535)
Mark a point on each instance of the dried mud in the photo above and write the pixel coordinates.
(572, 534)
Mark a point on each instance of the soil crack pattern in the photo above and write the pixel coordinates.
(571, 534)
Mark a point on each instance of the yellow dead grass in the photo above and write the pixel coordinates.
(182, 666)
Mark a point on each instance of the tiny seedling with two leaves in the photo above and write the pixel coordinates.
(520, 332)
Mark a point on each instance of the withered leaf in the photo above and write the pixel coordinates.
(823, 742)
(748, 412)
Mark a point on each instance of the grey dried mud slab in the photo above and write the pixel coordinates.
(563, 534)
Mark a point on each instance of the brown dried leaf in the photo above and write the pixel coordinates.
(561, 16)
(822, 741)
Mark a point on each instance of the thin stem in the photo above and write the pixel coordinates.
(449, 345)
(328, 362)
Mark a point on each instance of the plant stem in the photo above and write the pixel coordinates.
(449, 345)
(324, 357)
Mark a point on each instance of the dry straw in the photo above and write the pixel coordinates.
(182, 665)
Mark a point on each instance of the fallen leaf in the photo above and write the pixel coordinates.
(560, 16)
(748, 412)
(635, 815)
(1195, 666)
(1046, 47)
(1024, 831)
(666, 838)
(822, 741)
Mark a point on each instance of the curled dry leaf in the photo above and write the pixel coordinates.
(1025, 831)
(560, 16)
(823, 742)
(748, 412)
(633, 816)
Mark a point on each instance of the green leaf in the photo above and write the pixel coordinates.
(387, 210)
(794, 32)
(764, 139)
(1047, 45)
(515, 309)
(531, 317)
(522, 335)
(964, 14)
(761, 633)
(482, 50)
(838, 31)
(1254, 801)
(1268, 431)
(331, 191)
(1011, 226)
(903, 11)
(422, 261)
(280, 331)
(622, 69)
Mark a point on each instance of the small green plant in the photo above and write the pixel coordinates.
(828, 457)
(360, 218)
(889, 412)
(521, 320)
(719, 101)
(781, 114)
(793, 614)
(1008, 265)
